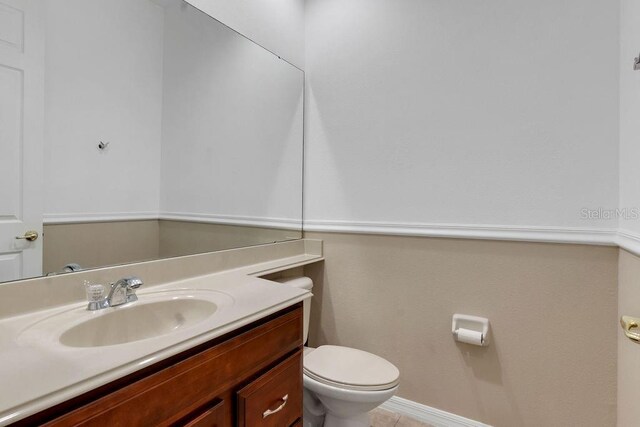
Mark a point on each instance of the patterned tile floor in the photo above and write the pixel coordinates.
(382, 418)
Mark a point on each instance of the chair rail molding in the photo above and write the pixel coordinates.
(550, 234)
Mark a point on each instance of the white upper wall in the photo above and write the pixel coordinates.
(103, 81)
(629, 114)
(464, 112)
(105, 70)
(419, 112)
(278, 25)
(232, 125)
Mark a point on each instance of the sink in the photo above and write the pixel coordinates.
(137, 322)
(154, 315)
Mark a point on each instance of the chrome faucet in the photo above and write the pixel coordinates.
(121, 292)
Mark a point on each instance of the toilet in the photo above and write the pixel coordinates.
(341, 384)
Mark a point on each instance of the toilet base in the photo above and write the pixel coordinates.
(340, 406)
(359, 420)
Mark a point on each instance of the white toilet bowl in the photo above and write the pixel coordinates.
(345, 384)
(341, 384)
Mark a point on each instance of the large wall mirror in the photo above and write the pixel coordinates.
(133, 130)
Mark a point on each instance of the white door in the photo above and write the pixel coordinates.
(21, 135)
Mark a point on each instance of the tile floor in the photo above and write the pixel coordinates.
(382, 418)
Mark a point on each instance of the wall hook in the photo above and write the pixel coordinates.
(636, 63)
(103, 145)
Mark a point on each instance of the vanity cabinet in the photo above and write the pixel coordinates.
(250, 377)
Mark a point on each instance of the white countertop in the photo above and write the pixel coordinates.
(37, 372)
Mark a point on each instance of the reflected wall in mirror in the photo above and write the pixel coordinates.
(132, 130)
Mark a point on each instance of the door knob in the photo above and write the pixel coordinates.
(630, 326)
(30, 235)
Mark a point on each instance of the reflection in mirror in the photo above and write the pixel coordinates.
(165, 134)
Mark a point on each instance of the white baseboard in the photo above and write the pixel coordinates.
(427, 414)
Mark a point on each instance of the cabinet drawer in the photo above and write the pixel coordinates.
(275, 398)
(210, 416)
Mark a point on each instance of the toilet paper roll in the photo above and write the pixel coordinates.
(468, 336)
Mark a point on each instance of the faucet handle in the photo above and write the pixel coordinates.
(95, 296)
(95, 292)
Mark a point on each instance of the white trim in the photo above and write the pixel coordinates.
(586, 236)
(281, 223)
(591, 236)
(68, 218)
(253, 221)
(427, 414)
(628, 241)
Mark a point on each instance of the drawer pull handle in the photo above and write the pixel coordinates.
(268, 412)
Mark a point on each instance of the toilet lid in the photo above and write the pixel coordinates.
(351, 368)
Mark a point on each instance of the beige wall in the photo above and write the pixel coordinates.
(99, 243)
(183, 238)
(108, 243)
(628, 351)
(552, 307)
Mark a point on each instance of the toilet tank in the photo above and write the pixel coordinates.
(306, 283)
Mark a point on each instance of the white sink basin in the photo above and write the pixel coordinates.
(155, 314)
(134, 322)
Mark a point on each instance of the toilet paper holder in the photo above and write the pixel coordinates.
(470, 326)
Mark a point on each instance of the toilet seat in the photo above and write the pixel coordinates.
(351, 369)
